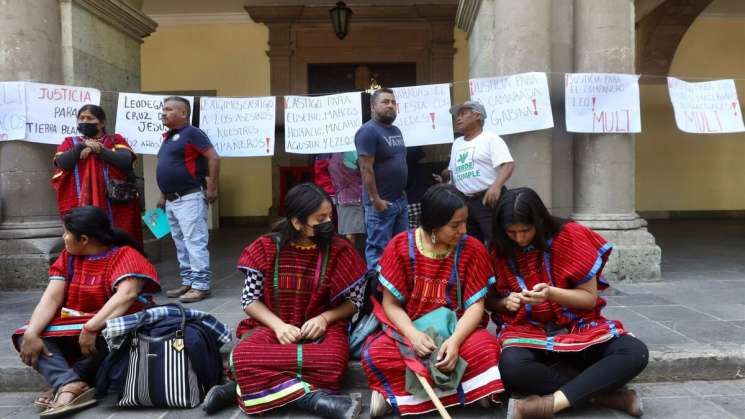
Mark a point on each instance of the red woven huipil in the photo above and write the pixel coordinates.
(94, 281)
(268, 373)
(577, 255)
(421, 292)
(86, 185)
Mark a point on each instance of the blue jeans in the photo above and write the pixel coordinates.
(188, 219)
(382, 226)
(57, 371)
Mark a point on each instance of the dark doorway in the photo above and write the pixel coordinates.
(339, 78)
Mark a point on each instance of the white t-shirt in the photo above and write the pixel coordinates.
(474, 164)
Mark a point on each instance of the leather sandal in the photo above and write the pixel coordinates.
(45, 399)
(83, 397)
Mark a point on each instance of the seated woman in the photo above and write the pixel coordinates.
(546, 302)
(303, 283)
(422, 270)
(100, 274)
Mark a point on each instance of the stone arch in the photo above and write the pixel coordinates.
(660, 26)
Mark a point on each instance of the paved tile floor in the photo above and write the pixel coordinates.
(685, 400)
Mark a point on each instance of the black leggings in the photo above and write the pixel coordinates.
(603, 367)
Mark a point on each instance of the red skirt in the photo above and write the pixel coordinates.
(270, 374)
(386, 372)
(578, 339)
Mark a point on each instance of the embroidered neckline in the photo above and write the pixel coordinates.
(429, 253)
(303, 246)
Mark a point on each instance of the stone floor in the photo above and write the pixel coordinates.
(683, 400)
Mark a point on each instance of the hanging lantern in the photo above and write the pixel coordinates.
(340, 19)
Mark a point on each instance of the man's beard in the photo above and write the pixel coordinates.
(386, 118)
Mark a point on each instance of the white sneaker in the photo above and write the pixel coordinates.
(378, 405)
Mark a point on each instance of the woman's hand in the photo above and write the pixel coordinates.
(87, 342)
(513, 301)
(540, 294)
(287, 333)
(314, 328)
(422, 343)
(447, 357)
(85, 153)
(94, 145)
(31, 348)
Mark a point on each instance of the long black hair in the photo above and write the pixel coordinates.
(96, 111)
(439, 203)
(301, 202)
(93, 222)
(522, 206)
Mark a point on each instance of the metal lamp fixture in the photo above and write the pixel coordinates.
(340, 19)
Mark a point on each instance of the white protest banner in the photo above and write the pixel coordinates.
(322, 124)
(706, 108)
(516, 103)
(12, 110)
(602, 103)
(239, 127)
(138, 120)
(52, 110)
(424, 114)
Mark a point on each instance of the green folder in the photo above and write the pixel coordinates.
(157, 222)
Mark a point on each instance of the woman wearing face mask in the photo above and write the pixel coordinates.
(422, 271)
(303, 283)
(86, 165)
(546, 301)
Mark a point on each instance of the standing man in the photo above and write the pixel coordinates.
(382, 159)
(185, 158)
(480, 164)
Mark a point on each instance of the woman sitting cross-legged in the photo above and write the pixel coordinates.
(549, 273)
(101, 274)
(303, 283)
(434, 281)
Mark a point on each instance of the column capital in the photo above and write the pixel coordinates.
(120, 15)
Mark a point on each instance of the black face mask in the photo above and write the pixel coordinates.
(88, 129)
(323, 232)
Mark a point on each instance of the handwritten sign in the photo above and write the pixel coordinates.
(603, 103)
(239, 126)
(424, 114)
(322, 124)
(516, 103)
(706, 108)
(52, 110)
(12, 110)
(138, 120)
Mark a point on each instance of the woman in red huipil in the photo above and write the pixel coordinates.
(546, 302)
(303, 284)
(87, 162)
(422, 270)
(101, 274)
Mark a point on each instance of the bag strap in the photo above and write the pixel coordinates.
(275, 274)
(179, 307)
(76, 171)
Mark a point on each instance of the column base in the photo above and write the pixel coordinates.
(24, 263)
(635, 255)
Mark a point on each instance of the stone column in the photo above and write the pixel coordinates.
(604, 196)
(30, 228)
(508, 40)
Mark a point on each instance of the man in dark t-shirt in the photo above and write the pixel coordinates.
(187, 174)
(382, 158)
